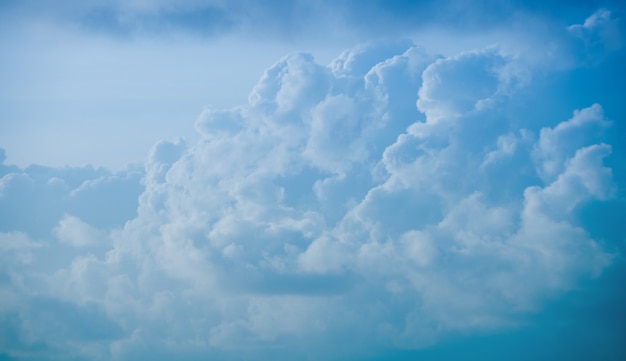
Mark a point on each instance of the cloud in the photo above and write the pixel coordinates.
(386, 197)
(600, 30)
(295, 20)
(454, 86)
(73, 231)
(556, 143)
(32, 200)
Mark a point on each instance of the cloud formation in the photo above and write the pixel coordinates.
(389, 196)
(214, 18)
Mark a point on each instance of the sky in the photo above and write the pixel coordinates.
(313, 180)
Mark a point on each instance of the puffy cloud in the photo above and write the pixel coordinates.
(556, 144)
(600, 30)
(34, 199)
(73, 231)
(453, 86)
(385, 196)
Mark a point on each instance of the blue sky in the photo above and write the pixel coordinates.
(349, 180)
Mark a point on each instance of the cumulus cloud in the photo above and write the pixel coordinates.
(34, 199)
(73, 231)
(385, 196)
(601, 33)
(600, 30)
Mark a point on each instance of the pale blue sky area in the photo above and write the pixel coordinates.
(312, 180)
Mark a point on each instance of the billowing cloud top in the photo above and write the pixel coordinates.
(389, 200)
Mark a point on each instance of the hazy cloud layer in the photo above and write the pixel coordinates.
(391, 196)
(212, 18)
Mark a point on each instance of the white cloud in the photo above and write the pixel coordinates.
(600, 30)
(73, 231)
(556, 144)
(33, 200)
(456, 85)
(381, 196)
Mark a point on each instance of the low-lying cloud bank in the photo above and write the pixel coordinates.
(389, 199)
